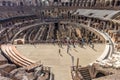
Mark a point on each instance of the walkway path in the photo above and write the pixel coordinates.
(60, 63)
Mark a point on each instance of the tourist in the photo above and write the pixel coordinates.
(68, 48)
(92, 45)
(82, 42)
(72, 57)
(73, 43)
(59, 51)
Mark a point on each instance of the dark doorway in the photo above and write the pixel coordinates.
(93, 3)
(21, 3)
(118, 3)
(100, 75)
(4, 3)
(55, 0)
(9, 3)
(113, 2)
(55, 30)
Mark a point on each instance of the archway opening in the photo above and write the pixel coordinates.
(55, 0)
(118, 3)
(21, 3)
(100, 75)
(4, 3)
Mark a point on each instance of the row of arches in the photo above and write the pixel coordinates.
(96, 22)
(80, 3)
(90, 3)
(109, 26)
(17, 3)
(10, 3)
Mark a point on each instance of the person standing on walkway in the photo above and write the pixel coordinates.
(68, 48)
(92, 45)
(59, 51)
(82, 42)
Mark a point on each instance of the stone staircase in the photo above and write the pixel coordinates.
(85, 73)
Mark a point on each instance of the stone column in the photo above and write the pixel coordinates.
(110, 25)
(93, 3)
(112, 2)
(80, 2)
(104, 25)
(101, 3)
(106, 2)
(83, 4)
(116, 26)
(87, 2)
(89, 21)
(115, 4)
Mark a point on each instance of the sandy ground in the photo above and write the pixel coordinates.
(61, 63)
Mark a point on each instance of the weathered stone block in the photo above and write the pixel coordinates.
(4, 78)
(6, 68)
(3, 60)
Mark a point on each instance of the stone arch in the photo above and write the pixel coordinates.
(107, 3)
(107, 25)
(9, 3)
(21, 3)
(55, 0)
(66, 4)
(118, 3)
(116, 26)
(88, 3)
(102, 3)
(76, 3)
(113, 2)
(70, 3)
(19, 41)
(104, 25)
(112, 25)
(99, 74)
(97, 3)
(93, 3)
(3, 3)
(80, 2)
(85, 3)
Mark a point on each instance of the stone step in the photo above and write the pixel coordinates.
(85, 73)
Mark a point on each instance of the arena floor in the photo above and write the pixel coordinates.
(61, 63)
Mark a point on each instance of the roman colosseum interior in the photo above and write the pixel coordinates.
(59, 40)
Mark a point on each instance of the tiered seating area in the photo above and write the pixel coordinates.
(69, 22)
(14, 56)
(11, 52)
